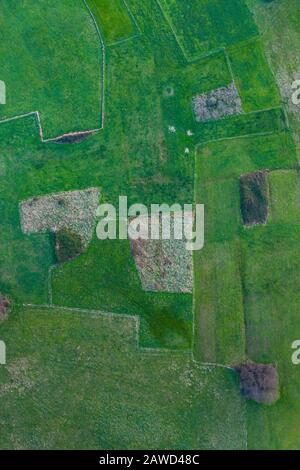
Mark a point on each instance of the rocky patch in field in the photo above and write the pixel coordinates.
(217, 104)
(163, 265)
(73, 210)
(259, 382)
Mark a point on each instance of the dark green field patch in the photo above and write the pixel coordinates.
(55, 67)
(260, 122)
(276, 247)
(68, 245)
(203, 26)
(105, 278)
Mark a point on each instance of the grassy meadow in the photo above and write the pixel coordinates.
(78, 381)
(203, 27)
(68, 366)
(55, 67)
(114, 19)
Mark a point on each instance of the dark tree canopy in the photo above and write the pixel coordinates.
(259, 382)
(4, 307)
(254, 192)
(68, 245)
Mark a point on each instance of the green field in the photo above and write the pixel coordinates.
(56, 66)
(246, 279)
(93, 361)
(203, 26)
(255, 82)
(77, 381)
(271, 312)
(106, 279)
(278, 23)
(114, 19)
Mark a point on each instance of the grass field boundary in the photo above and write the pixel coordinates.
(122, 41)
(37, 115)
(245, 136)
(132, 16)
(253, 134)
(228, 62)
(187, 57)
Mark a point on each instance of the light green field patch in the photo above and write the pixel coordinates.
(55, 67)
(285, 197)
(228, 158)
(253, 76)
(221, 199)
(219, 314)
(114, 19)
(276, 247)
(204, 26)
(259, 122)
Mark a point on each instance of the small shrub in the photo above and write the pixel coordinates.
(4, 307)
(254, 193)
(259, 382)
(68, 245)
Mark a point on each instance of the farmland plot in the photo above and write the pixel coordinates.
(203, 26)
(56, 66)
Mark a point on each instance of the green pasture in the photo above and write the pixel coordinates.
(246, 283)
(78, 381)
(284, 197)
(67, 367)
(55, 66)
(253, 76)
(270, 268)
(218, 305)
(114, 19)
(133, 156)
(260, 122)
(202, 27)
(232, 158)
(106, 279)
